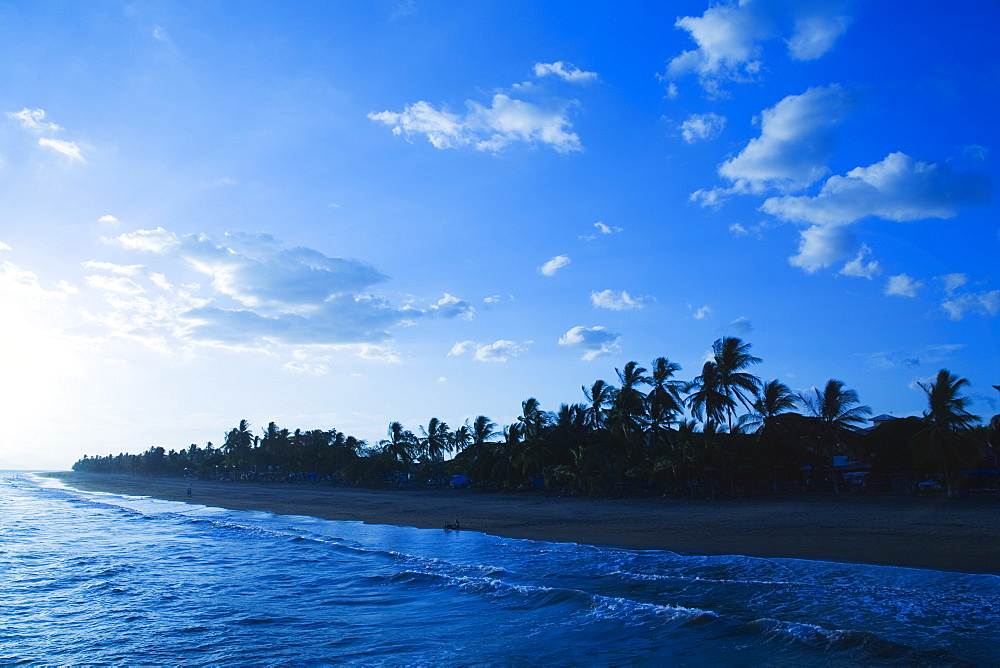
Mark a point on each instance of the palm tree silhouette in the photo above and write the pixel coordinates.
(732, 356)
(946, 417)
(708, 402)
(838, 415)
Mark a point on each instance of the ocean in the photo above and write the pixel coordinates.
(96, 578)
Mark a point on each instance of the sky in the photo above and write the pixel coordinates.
(341, 214)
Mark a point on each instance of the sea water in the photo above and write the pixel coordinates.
(95, 578)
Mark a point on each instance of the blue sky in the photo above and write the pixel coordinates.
(342, 214)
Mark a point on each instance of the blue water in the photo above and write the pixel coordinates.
(91, 578)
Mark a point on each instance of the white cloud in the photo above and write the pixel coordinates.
(554, 265)
(17, 282)
(120, 284)
(700, 127)
(953, 282)
(616, 301)
(859, 268)
(898, 188)
(796, 139)
(33, 120)
(107, 219)
(153, 241)
(741, 325)
(121, 269)
(498, 351)
(985, 303)
(492, 299)
(702, 312)
(565, 71)
(729, 37)
(820, 246)
(67, 148)
(451, 306)
(4, 247)
(264, 292)
(815, 35)
(891, 359)
(492, 128)
(902, 285)
(606, 229)
(593, 341)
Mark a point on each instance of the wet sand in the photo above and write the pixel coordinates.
(919, 532)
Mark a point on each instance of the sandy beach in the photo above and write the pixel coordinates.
(953, 535)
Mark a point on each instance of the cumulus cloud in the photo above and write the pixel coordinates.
(451, 306)
(729, 38)
(859, 268)
(498, 351)
(700, 127)
(796, 140)
(593, 341)
(565, 71)
(953, 282)
(107, 219)
(491, 128)
(816, 34)
(702, 312)
(741, 325)
(902, 285)
(555, 264)
(153, 241)
(898, 188)
(616, 301)
(820, 246)
(985, 303)
(264, 291)
(18, 282)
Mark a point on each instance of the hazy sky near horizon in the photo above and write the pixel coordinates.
(339, 214)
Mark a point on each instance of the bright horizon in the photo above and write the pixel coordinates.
(341, 215)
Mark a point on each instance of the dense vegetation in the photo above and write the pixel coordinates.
(725, 432)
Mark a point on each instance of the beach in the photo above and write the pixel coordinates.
(961, 535)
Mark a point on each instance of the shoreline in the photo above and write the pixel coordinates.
(961, 535)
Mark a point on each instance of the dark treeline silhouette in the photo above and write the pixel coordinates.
(723, 433)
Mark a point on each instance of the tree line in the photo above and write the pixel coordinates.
(724, 432)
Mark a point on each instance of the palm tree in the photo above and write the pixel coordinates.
(946, 416)
(732, 356)
(838, 415)
(629, 412)
(460, 438)
(238, 445)
(708, 402)
(533, 450)
(773, 399)
(483, 429)
(532, 420)
(400, 444)
(665, 398)
(994, 432)
(435, 442)
(601, 396)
